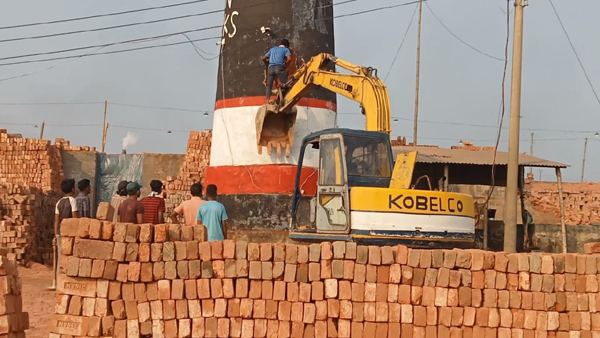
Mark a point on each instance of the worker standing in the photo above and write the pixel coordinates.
(189, 209)
(213, 216)
(118, 198)
(277, 57)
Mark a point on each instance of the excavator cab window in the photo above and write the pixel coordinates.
(367, 156)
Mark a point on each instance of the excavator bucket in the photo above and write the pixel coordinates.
(275, 129)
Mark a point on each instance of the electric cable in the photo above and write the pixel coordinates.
(102, 15)
(108, 53)
(205, 28)
(575, 52)
(401, 44)
(110, 27)
(458, 38)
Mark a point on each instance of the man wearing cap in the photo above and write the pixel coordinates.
(132, 210)
(119, 197)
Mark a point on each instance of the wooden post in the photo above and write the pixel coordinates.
(446, 174)
(42, 131)
(104, 137)
(531, 152)
(104, 126)
(583, 162)
(562, 210)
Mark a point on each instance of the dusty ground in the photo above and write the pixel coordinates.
(36, 299)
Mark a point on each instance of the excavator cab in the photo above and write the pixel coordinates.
(363, 196)
(346, 159)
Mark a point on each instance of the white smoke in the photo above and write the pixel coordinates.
(129, 140)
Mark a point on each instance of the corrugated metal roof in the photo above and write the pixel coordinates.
(476, 157)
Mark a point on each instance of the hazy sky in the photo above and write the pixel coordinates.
(458, 84)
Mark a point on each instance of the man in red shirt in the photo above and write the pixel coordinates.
(154, 204)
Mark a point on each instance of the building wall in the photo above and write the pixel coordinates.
(79, 165)
(159, 167)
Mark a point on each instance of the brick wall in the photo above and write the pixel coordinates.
(582, 202)
(165, 281)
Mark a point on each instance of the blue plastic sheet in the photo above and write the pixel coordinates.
(113, 169)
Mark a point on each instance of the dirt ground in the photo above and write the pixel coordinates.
(36, 299)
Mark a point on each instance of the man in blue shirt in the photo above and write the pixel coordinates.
(277, 57)
(213, 216)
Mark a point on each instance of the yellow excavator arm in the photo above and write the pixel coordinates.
(275, 122)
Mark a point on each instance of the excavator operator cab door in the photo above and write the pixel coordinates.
(332, 205)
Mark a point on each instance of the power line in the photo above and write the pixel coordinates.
(574, 51)
(158, 108)
(401, 43)
(459, 39)
(110, 44)
(375, 9)
(109, 27)
(107, 53)
(179, 43)
(47, 103)
(103, 15)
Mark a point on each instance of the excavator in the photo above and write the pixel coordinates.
(362, 194)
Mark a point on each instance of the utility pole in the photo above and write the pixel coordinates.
(104, 137)
(583, 163)
(531, 153)
(510, 216)
(416, 120)
(42, 131)
(104, 126)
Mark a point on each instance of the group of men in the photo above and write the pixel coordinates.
(129, 208)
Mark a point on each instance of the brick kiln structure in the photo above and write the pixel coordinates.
(125, 280)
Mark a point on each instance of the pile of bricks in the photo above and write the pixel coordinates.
(63, 144)
(196, 160)
(582, 201)
(125, 280)
(192, 170)
(13, 321)
(29, 162)
(26, 217)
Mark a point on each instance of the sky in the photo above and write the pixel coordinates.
(460, 82)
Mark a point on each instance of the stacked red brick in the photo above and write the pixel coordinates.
(63, 144)
(582, 201)
(196, 160)
(192, 170)
(26, 228)
(13, 321)
(128, 280)
(29, 162)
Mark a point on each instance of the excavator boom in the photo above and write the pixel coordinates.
(275, 122)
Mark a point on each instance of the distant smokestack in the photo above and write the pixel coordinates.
(123, 151)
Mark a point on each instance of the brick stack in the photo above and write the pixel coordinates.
(165, 281)
(26, 217)
(63, 144)
(13, 321)
(29, 162)
(192, 170)
(582, 201)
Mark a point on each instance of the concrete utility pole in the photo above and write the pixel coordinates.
(510, 216)
(416, 120)
(583, 163)
(531, 153)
